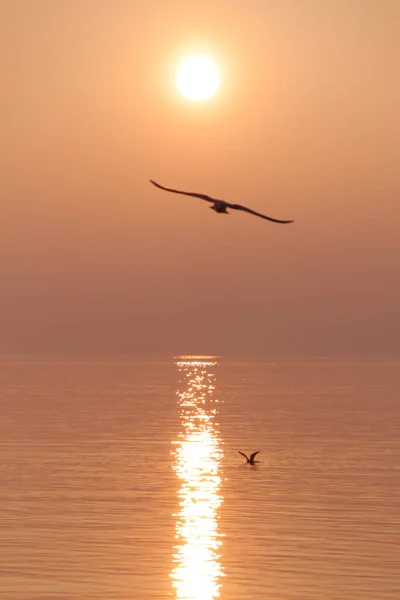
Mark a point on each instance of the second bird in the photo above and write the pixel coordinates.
(250, 461)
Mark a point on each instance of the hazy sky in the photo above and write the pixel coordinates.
(306, 126)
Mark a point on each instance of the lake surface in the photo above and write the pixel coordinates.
(121, 479)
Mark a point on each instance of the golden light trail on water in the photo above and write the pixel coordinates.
(198, 453)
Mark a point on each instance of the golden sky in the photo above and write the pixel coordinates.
(305, 125)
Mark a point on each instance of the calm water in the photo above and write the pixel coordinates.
(121, 479)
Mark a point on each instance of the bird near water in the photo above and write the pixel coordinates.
(220, 206)
(250, 461)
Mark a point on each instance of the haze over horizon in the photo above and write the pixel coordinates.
(305, 126)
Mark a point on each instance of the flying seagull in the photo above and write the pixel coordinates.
(219, 206)
(250, 461)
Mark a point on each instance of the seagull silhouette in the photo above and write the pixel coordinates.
(250, 461)
(219, 206)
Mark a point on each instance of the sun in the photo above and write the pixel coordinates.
(197, 77)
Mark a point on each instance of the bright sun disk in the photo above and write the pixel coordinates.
(197, 77)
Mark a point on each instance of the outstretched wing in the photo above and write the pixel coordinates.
(252, 457)
(202, 196)
(243, 455)
(253, 212)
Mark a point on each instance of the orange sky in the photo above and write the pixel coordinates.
(306, 126)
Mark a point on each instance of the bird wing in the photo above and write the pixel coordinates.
(202, 196)
(243, 455)
(253, 212)
(252, 457)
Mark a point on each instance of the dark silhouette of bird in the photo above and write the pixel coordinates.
(220, 206)
(250, 461)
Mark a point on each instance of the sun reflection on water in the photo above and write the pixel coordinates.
(198, 453)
